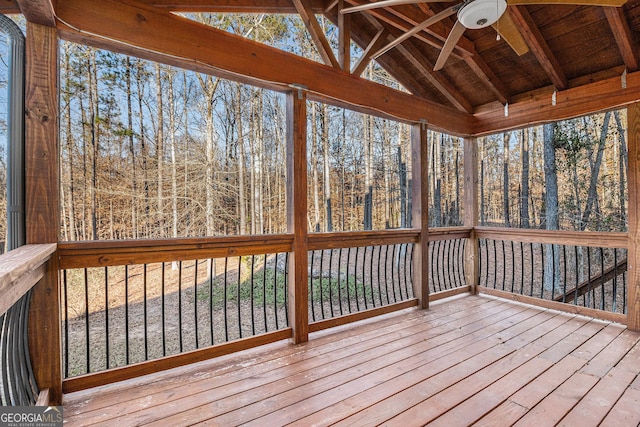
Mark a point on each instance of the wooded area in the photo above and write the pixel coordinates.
(150, 151)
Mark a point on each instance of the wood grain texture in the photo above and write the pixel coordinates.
(130, 252)
(536, 109)
(568, 308)
(297, 215)
(42, 203)
(144, 368)
(470, 194)
(625, 39)
(576, 238)
(38, 11)
(361, 315)
(420, 213)
(352, 239)
(633, 283)
(20, 270)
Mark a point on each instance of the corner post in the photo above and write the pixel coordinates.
(297, 214)
(633, 299)
(471, 260)
(42, 205)
(420, 212)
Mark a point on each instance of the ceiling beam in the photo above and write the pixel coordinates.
(9, 7)
(377, 42)
(344, 43)
(135, 29)
(315, 31)
(438, 80)
(38, 11)
(538, 109)
(233, 6)
(623, 35)
(539, 46)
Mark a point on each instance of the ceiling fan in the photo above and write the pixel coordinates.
(472, 14)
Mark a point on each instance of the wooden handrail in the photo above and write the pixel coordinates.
(572, 238)
(351, 239)
(20, 270)
(449, 233)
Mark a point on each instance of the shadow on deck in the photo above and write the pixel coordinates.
(468, 359)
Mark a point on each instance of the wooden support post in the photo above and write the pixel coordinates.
(42, 204)
(420, 213)
(297, 215)
(633, 300)
(471, 260)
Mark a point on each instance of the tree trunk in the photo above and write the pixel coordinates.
(160, 151)
(595, 172)
(327, 176)
(132, 153)
(314, 169)
(552, 255)
(241, 157)
(174, 168)
(506, 137)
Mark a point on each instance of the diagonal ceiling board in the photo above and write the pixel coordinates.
(309, 18)
(538, 46)
(624, 37)
(378, 41)
(475, 62)
(438, 80)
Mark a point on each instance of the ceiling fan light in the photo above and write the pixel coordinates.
(481, 13)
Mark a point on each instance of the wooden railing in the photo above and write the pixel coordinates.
(580, 272)
(20, 270)
(447, 262)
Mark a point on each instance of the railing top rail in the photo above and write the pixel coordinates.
(448, 233)
(128, 252)
(573, 238)
(346, 239)
(20, 270)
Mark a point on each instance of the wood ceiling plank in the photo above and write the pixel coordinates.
(487, 76)
(438, 80)
(344, 46)
(134, 28)
(317, 34)
(623, 35)
(539, 46)
(38, 11)
(586, 99)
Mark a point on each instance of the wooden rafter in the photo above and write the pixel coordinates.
(233, 6)
(379, 40)
(38, 11)
(624, 37)
(315, 30)
(9, 7)
(471, 58)
(344, 46)
(539, 46)
(136, 29)
(438, 80)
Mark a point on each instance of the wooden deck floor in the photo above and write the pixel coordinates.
(470, 360)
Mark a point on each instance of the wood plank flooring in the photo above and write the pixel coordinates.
(470, 360)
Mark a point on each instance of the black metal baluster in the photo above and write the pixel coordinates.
(211, 274)
(513, 267)
(311, 296)
(521, 268)
(180, 304)
(264, 293)
(601, 279)
(386, 269)
(432, 266)
(286, 287)
(339, 280)
(495, 265)
(348, 279)
(364, 281)
(406, 270)
(275, 291)
(615, 281)
(588, 294)
(195, 301)
(355, 276)
(331, 281)
(532, 268)
(575, 293)
(543, 268)
(373, 299)
(66, 326)
(86, 319)
(564, 280)
(164, 331)
(224, 308)
(504, 270)
(553, 272)
(252, 295)
(146, 328)
(393, 278)
(239, 291)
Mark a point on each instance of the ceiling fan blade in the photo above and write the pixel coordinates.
(511, 34)
(452, 40)
(424, 24)
(614, 3)
(384, 3)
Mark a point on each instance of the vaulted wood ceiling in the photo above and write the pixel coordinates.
(570, 47)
